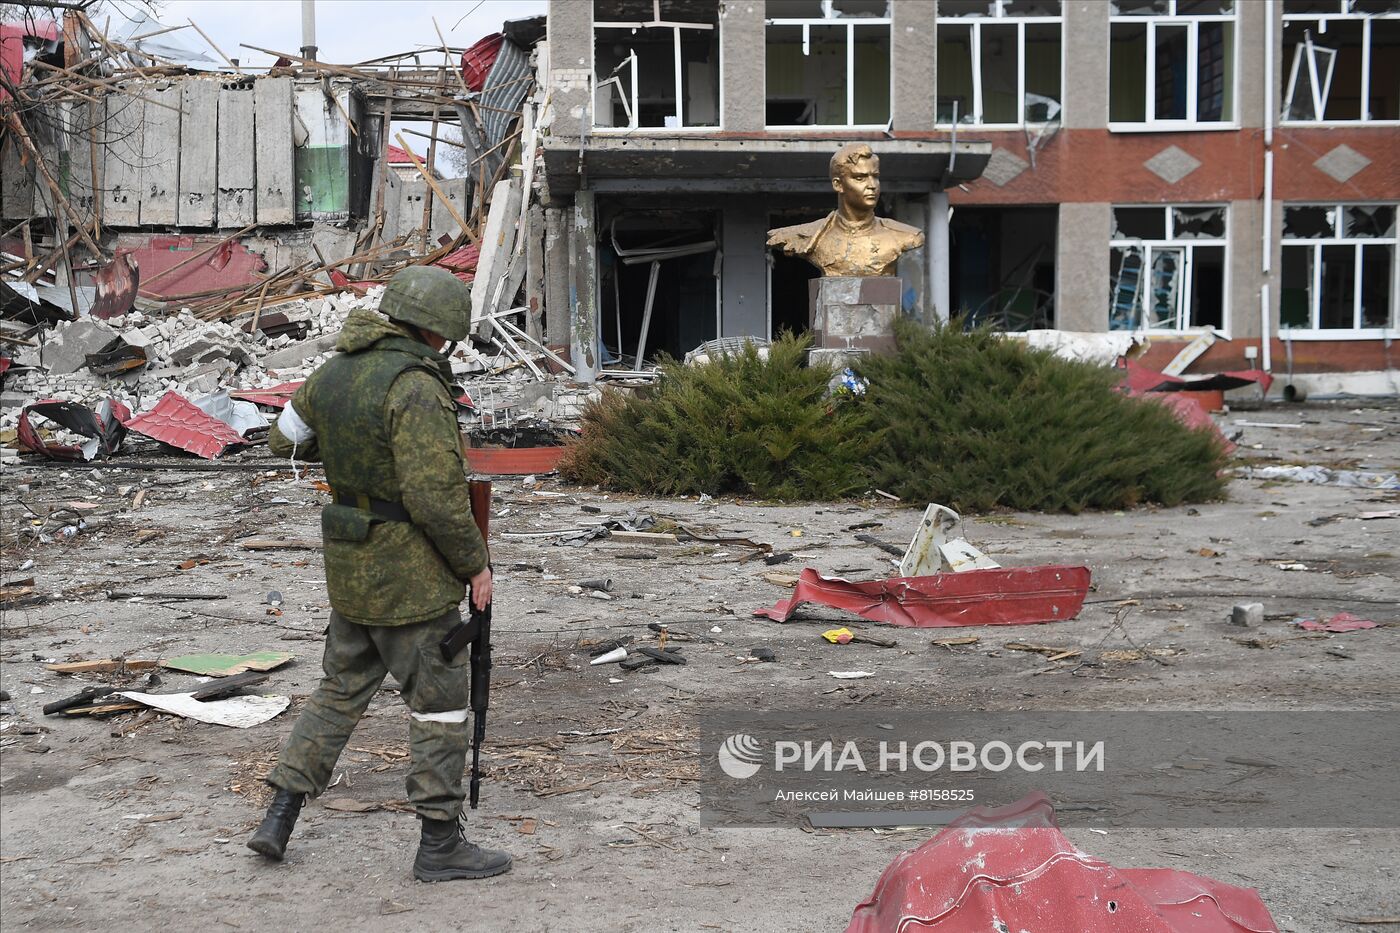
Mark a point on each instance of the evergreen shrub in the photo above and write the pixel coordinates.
(978, 422)
(740, 423)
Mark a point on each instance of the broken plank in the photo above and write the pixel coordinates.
(643, 537)
(102, 666)
(273, 544)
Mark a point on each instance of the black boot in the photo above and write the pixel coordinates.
(271, 838)
(444, 854)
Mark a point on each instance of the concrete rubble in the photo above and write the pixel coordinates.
(196, 358)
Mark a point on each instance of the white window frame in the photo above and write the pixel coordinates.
(1187, 246)
(850, 22)
(631, 105)
(1193, 34)
(999, 17)
(1338, 238)
(1298, 79)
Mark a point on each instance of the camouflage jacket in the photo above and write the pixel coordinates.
(385, 426)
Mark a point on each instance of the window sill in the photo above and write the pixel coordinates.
(826, 128)
(1189, 333)
(1335, 124)
(948, 127)
(653, 130)
(1368, 333)
(1173, 127)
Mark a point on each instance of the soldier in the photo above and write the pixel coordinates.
(399, 544)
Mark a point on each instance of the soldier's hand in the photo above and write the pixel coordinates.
(481, 589)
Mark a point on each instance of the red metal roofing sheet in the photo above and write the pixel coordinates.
(176, 421)
(1009, 596)
(477, 60)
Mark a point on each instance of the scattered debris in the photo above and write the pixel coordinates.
(1247, 614)
(226, 665)
(238, 712)
(850, 675)
(105, 427)
(1322, 476)
(932, 550)
(1340, 623)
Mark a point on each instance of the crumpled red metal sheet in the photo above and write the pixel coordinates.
(1008, 596)
(176, 421)
(1011, 869)
(117, 284)
(1190, 414)
(105, 425)
(1140, 379)
(273, 396)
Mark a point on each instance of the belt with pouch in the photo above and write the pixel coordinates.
(391, 511)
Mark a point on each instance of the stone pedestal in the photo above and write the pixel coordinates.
(852, 317)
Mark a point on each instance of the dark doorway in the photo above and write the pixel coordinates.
(789, 297)
(671, 256)
(1002, 266)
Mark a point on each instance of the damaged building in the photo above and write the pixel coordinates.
(1213, 179)
(1205, 173)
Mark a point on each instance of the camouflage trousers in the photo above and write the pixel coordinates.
(355, 661)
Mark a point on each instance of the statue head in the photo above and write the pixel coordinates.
(855, 177)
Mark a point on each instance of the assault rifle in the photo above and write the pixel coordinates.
(476, 631)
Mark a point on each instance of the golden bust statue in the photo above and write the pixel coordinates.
(851, 240)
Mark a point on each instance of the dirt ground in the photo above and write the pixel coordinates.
(138, 821)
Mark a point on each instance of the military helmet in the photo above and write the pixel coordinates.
(429, 297)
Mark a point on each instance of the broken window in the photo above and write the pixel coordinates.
(1171, 61)
(1338, 270)
(828, 63)
(656, 63)
(1341, 60)
(1167, 268)
(999, 61)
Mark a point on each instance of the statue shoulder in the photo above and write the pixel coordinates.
(797, 236)
(905, 231)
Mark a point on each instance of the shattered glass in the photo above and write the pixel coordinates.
(1369, 220)
(1198, 223)
(1031, 8)
(1309, 223)
(1140, 7)
(1139, 223)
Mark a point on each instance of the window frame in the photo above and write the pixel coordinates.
(850, 22)
(1192, 21)
(679, 70)
(1338, 238)
(1187, 245)
(999, 17)
(1292, 72)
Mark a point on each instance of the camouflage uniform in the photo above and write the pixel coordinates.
(385, 426)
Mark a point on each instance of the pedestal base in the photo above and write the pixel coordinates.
(850, 313)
